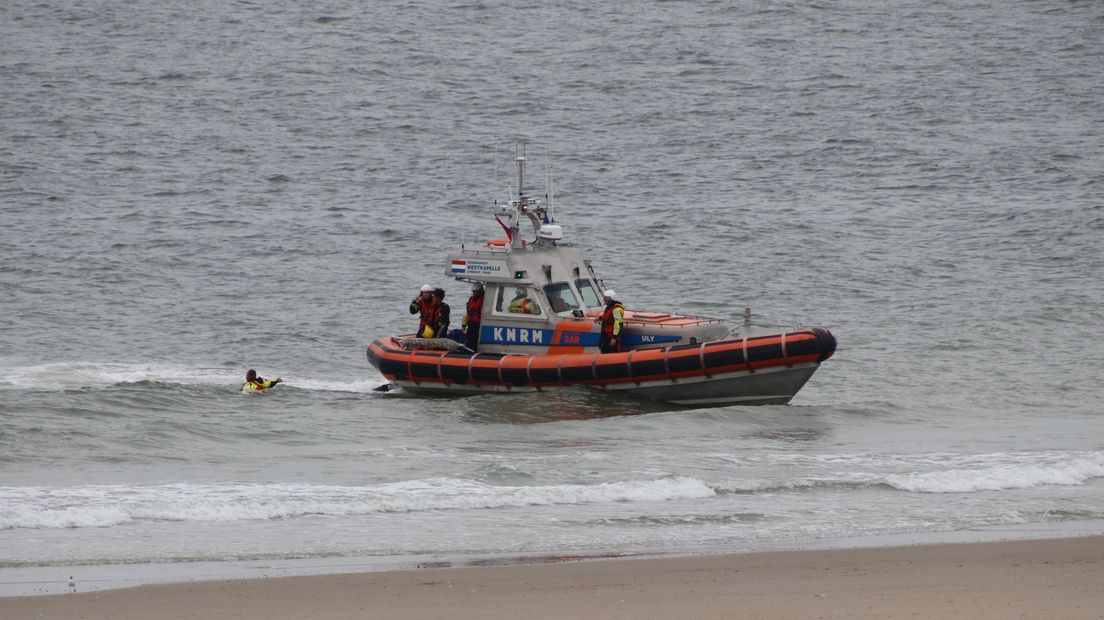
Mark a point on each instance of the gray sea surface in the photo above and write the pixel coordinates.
(190, 189)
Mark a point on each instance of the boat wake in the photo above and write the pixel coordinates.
(73, 375)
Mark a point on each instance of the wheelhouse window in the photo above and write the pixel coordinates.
(561, 297)
(517, 300)
(590, 296)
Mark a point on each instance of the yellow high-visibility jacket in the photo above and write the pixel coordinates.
(257, 385)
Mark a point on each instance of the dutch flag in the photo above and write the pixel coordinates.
(459, 266)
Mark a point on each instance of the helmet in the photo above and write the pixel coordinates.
(250, 374)
(610, 294)
(477, 286)
(426, 288)
(440, 292)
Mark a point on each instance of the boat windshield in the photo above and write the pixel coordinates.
(561, 297)
(590, 297)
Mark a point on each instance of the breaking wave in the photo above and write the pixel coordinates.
(999, 477)
(104, 506)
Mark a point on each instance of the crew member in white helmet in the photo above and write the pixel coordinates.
(473, 317)
(610, 341)
(423, 305)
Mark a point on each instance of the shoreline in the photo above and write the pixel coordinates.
(1044, 577)
(48, 580)
(1055, 562)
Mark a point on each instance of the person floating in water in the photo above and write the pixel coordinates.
(254, 384)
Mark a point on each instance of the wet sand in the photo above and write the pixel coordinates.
(1059, 578)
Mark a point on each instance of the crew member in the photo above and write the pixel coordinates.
(611, 324)
(254, 384)
(422, 306)
(473, 318)
(521, 304)
(439, 314)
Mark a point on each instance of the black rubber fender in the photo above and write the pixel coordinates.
(826, 343)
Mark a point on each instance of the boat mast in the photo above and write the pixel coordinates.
(525, 206)
(549, 190)
(515, 226)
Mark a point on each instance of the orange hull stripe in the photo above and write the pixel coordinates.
(578, 367)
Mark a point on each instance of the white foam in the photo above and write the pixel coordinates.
(102, 506)
(362, 386)
(927, 472)
(81, 374)
(71, 375)
(1067, 472)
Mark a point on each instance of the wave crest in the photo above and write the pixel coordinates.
(104, 506)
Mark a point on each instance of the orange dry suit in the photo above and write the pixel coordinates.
(439, 319)
(422, 304)
(610, 341)
(473, 319)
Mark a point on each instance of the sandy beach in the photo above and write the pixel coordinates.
(1057, 578)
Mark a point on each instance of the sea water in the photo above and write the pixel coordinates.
(188, 190)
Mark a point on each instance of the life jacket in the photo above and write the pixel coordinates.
(611, 319)
(475, 309)
(522, 305)
(439, 318)
(423, 306)
(256, 385)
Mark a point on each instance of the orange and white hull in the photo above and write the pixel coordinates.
(768, 369)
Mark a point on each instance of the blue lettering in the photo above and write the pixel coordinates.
(538, 336)
(498, 334)
(511, 335)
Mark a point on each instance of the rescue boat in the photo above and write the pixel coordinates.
(551, 340)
